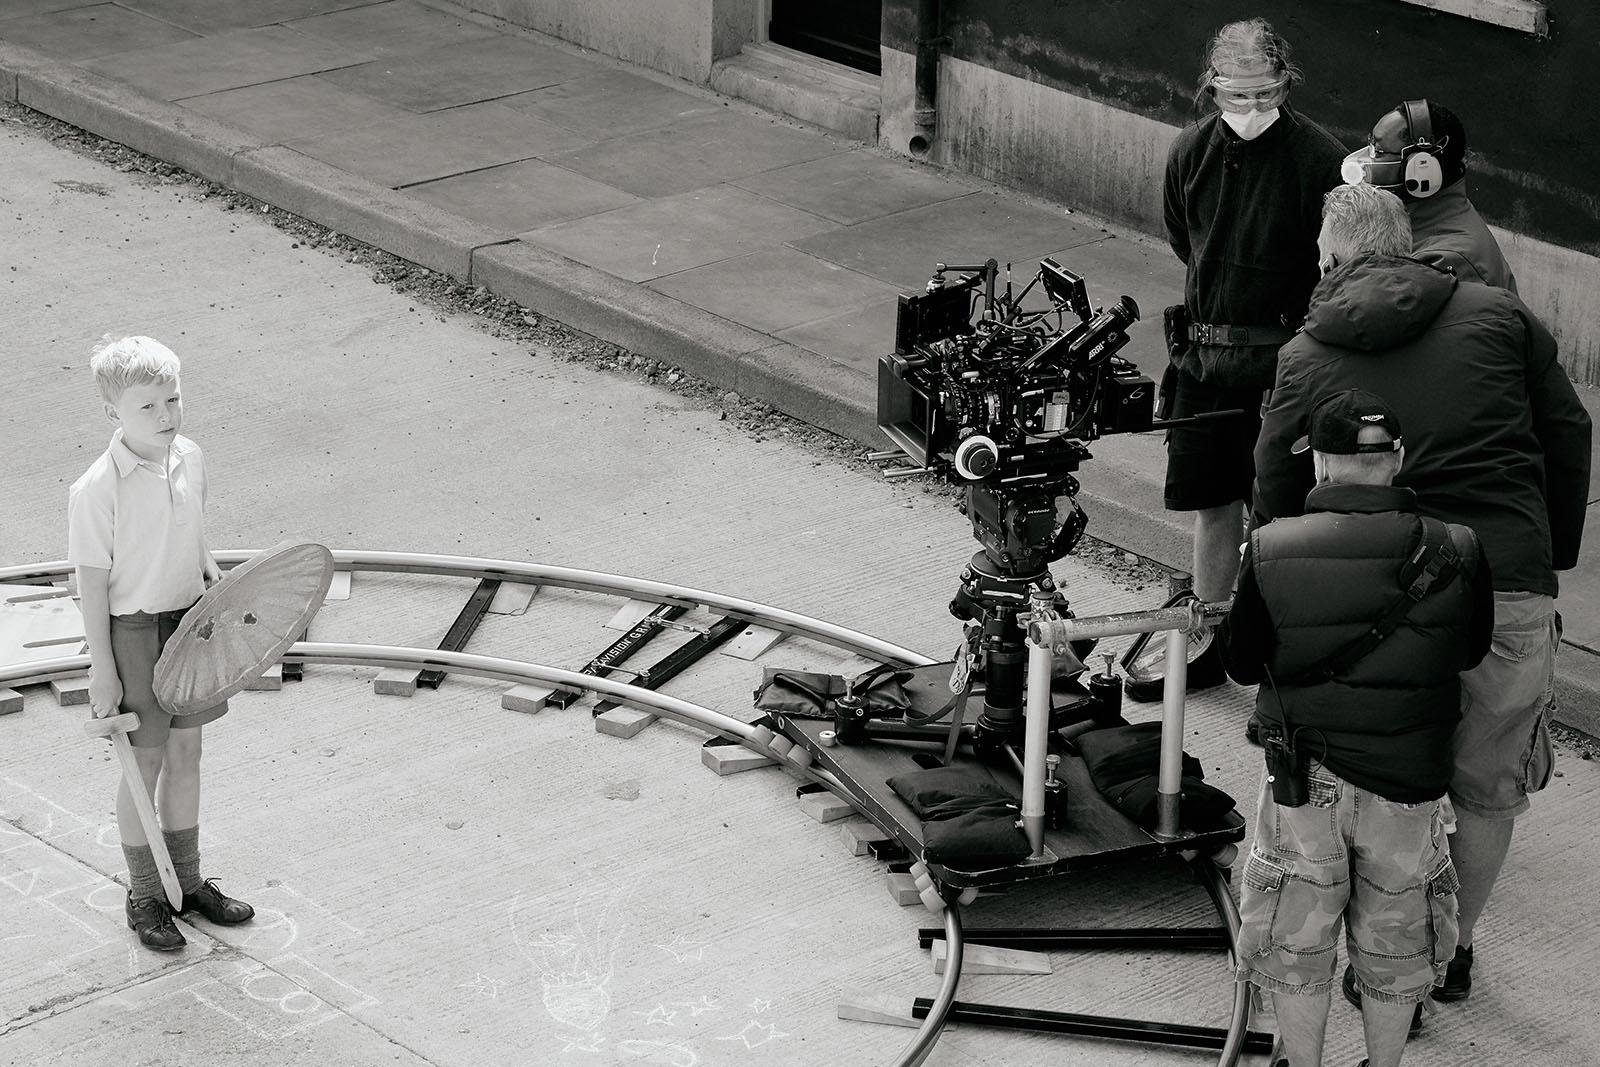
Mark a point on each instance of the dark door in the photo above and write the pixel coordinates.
(845, 31)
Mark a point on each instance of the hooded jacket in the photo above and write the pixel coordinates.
(1447, 232)
(1495, 436)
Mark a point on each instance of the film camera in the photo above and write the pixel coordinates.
(1003, 398)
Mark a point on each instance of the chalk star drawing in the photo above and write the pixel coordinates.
(683, 949)
(583, 1044)
(482, 985)
(659, 1014)
(700, 1007)
(754, 1033)
(758, 1005)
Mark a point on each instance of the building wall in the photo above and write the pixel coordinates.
(678, 37)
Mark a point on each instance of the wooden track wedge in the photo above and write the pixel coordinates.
(241, 625)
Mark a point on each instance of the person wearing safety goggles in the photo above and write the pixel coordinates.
(1418, 151)
(1242, 204)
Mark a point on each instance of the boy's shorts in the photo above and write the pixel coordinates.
(1211, 463)
(1347, 852)
(1502, 746)
(136, 642)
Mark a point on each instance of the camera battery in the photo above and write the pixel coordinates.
(1129, 400)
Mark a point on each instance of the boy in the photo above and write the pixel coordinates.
(135, 536)
(1359, 624)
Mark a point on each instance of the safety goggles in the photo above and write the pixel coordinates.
(1252, 93)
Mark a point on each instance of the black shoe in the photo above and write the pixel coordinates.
(1353, 995)
(1457, 977)
(209, 901)
(151, 919)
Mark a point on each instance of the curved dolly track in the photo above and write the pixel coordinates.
(757, 739)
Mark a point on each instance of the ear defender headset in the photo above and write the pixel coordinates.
(1422, 174)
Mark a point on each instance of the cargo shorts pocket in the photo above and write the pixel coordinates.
(1258, 903)
(1539, 760)
(1443, 884)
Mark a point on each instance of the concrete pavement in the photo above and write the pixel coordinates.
(750, 250)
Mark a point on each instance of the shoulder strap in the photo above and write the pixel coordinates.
(1434, 562)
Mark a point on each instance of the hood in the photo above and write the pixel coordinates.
(1376, 302)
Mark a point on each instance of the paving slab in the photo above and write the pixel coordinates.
(856, 186)
(742, 289)
(412, 148)
(665, 235)
(463, 73)
(855, 338)
(698, 151)
(612, 103)
(210, 17)
(304, 108)
(521, 196)
(85, 33)
(220, 61)
(902, 248)
(398, 27)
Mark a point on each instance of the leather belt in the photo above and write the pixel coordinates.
(1211, 333)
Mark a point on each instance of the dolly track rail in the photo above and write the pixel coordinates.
(561, 578)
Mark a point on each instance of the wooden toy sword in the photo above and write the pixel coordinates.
(116, 729)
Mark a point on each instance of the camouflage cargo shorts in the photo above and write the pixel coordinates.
(1347, 857)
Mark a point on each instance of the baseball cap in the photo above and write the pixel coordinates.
(1337, 421)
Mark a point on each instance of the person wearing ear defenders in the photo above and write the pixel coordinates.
(1419, 152)
(1242, 202)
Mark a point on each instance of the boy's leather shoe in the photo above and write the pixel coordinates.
(1457, 977)
(1353, 995)
(210, 901)
(151, 919)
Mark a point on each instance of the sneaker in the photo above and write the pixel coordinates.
(1353, 995)
(151, 919)
(1457, 977)
(210, 901)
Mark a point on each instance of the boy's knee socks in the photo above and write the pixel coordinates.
(184, 848)
(144, 879)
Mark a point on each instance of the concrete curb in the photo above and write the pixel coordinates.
(1578, 689)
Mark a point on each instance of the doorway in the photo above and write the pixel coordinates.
(845, 31)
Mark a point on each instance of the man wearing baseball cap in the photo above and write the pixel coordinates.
(1355, 620)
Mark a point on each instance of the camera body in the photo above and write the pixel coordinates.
(1004, 399)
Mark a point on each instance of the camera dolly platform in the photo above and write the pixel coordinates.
(1071, 827)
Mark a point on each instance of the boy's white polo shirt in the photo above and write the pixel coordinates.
(143, 522)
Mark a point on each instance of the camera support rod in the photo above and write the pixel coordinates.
(1049, 633)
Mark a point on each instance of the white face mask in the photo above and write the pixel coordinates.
(1250, 124)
